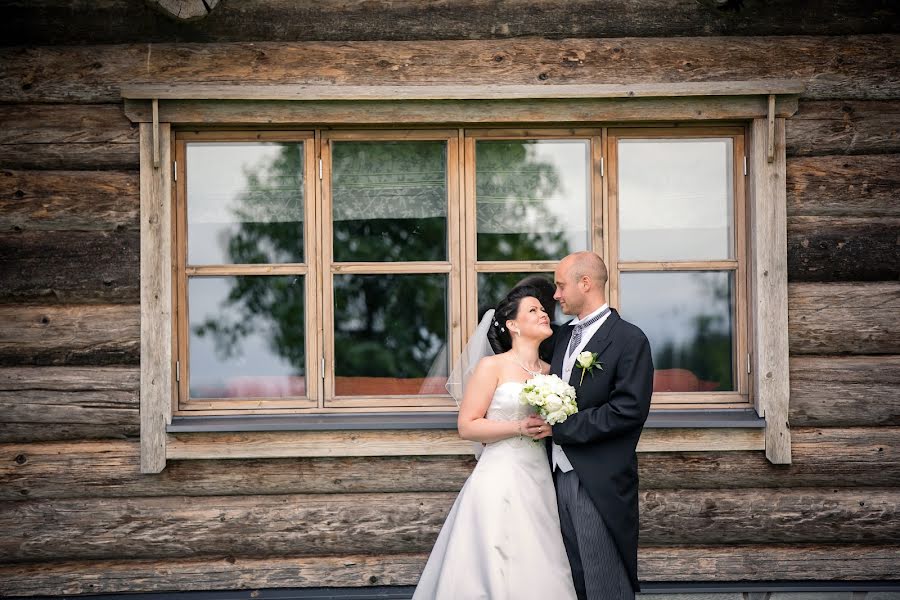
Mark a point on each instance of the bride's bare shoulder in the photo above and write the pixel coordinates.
(491, 364)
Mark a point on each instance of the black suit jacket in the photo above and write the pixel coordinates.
(600, 439)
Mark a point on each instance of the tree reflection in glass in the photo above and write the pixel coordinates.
(390, 334)
(245, 202)
(688, 318)
(389, 201)
(247, 336)
(532, 198)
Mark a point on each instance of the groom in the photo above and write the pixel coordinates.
(593, 452)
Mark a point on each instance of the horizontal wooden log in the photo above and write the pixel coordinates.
(844, 127)
(53, 403)
(69, 136)
(844, 318)
(860, 390)
(768, 563)
(843, 249)
(69, 200)
(220, 573)
(55, 22)
(854, 67)
(70, 266)
(70, 335)
(310, 525)
(854, 186)
(860, 457)
(867, 457)
(707, 563)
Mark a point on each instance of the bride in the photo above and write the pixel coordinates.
(501, 539)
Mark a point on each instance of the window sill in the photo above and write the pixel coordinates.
(662, 419)
(432, 434)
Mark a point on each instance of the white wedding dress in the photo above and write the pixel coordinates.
(501, 539)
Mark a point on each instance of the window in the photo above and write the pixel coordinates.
(265, 255)
(344, 286)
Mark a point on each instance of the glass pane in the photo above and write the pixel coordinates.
(492, 287)
(689, 319)
(247, 336)
(532, 198)
(389, 201)
(244, 203)
(390, 334)
(676, 199)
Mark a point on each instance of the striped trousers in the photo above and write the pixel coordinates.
(597, 566)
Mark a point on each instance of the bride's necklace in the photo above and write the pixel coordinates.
(526, 369)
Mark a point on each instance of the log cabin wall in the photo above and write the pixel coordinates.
(78, 517)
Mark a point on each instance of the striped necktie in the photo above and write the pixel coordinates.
(579, 328)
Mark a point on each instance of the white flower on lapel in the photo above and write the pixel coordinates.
(586, 361)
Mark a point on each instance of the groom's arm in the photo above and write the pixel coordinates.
(629, 401)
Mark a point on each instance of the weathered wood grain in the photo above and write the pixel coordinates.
(69, 200)
(707, 563)
(55, 22)
(844, 127)
(860, 390)
(69, 335)
(276, 113)
(53, 403)
(68, 136)
(860, 457)
(864, 457)
(309, 525)
(769, 274)
(853, 186)
(227, 572)
(853, 67)
(70, 266)
(844, 318)
(843, 248)
(761, 563)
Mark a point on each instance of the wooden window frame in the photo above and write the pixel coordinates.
(740, 398)
(762, 106)
(182, 403)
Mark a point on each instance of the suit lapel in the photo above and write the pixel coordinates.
(601, 339)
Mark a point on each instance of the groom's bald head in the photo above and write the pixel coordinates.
(588, 264)
(581, 283)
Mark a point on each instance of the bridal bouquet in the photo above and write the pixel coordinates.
(553, 398)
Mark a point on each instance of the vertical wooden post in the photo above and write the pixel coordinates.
(156, 296)
(769, 306)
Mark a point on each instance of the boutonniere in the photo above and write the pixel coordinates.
(587, 361)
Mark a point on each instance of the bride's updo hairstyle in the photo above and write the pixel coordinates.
(498, 334)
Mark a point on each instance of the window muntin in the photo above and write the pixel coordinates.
(449, 266)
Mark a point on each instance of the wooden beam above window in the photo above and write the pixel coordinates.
(203, 103)
(214, 91)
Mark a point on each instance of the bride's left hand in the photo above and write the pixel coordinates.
(544, 430)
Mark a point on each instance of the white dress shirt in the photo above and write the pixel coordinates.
(560, 460)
